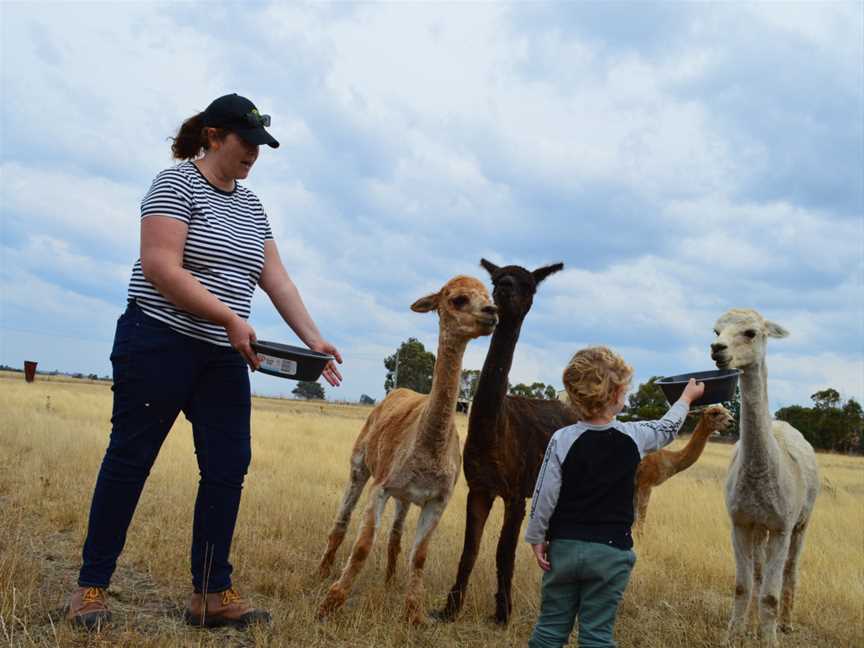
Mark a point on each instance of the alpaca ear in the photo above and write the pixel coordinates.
(775, 330)
(426, 304)
(541, 273)
(491, 268)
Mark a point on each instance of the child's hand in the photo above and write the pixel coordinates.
(692, 391)
(541, 553)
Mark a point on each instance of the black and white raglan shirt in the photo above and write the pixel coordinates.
(224, 247)
(587, 480)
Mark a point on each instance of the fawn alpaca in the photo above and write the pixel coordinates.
(656, 467)
(409, 446)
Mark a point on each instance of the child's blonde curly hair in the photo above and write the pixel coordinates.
(592, 379)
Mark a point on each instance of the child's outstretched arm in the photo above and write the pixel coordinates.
(653, 435)
(543, 503)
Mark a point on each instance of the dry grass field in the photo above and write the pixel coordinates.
(52, 437)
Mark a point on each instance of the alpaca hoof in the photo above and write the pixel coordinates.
(418, 620)
(443, 616)
(415, 614)
(332, 602)
(499, 620)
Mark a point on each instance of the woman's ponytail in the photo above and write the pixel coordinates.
(191, 139)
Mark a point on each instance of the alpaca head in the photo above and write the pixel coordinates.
(742, 335)
(717, 418)
(514, 286)
(464, 307)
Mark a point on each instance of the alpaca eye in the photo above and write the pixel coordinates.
(750, 333)
(716, 332)
(459, 302)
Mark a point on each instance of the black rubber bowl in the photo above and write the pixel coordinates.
(719, 386)
(292, 362)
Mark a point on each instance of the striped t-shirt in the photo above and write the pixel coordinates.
(224, 247)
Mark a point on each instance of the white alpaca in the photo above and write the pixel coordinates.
(772, 483)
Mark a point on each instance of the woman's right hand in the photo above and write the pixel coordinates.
(241, 335)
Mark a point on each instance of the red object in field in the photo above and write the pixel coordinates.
(29, 370)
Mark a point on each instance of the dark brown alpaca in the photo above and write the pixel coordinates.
(507, 438)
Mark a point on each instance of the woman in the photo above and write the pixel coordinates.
(183, 345)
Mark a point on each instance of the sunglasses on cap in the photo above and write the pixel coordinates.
(256, 119)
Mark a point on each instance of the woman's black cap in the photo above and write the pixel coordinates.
(241, 116)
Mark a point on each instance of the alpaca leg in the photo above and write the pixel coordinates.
(790, 578)
(742, 544)
(777, 549)
(760, 537)
(428, 520)
(394, 546)
(356, 482)
(477, 512)
(643, 495)
(362, 546)
(505, 557)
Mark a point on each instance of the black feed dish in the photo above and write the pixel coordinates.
(719, 386)
(286, 361)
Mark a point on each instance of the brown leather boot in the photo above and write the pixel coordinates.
(226, 608)
(88, 609)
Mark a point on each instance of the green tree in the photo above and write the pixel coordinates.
(534, 390)
(308, 390)
(646, 403)
(827, 425)
(735, 407)
(826, 399)
(413, 369)
(366, 400)
(468, 384)
(854, 417)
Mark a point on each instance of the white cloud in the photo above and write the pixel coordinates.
(49, 307)
(417, 138)
(46, 255)
(632, 295)
(50, 203)
(792, 379)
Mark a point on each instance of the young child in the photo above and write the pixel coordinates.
(582, 509)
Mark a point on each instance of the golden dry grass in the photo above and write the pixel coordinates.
(53, 434)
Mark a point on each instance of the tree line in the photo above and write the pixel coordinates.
(829, 424)
(412, 366)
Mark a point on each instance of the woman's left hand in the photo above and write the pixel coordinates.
(331, 373)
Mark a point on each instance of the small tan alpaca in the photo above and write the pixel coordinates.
(659, 466)
(409, 446)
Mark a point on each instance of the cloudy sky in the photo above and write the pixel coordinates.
(679, 158)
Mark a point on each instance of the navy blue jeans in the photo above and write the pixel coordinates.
(157, 374)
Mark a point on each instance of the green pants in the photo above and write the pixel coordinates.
(587, 580)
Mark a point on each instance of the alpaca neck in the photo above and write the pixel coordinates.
(437, 420)
(757, 446)
(688, 455)
(492, 384)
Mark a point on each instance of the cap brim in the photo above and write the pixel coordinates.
(257, 136)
